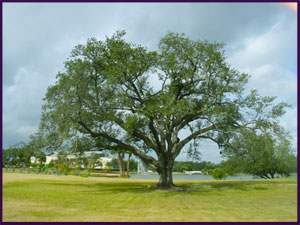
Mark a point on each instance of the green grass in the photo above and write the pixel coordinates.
(34, 197)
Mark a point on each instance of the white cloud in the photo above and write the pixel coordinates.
(22, 102)
(277, 44)
(23, 131)
(270, 59)
(273, 80)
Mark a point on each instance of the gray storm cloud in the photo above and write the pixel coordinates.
(261, 39)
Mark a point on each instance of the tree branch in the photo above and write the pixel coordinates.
(120, 144)
(194, 135)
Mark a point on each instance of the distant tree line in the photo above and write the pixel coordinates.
(262, 155)
(266, 155)
(181, 166)
(19, 155)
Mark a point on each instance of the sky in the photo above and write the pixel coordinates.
(260, 38)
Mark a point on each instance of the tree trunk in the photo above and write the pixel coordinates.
(121, 163)
(165, 174)
(128, 162)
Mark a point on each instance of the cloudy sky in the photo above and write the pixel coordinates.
(261, 39)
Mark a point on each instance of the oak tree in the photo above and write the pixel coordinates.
(117, 95)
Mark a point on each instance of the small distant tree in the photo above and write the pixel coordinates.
(62, 157)
(93, 161)
(201, 165)
(114, 163)
(230, 167)
(40, 156)
(128, 163)
(36, 146)
(63, 168)
(63, 163)
(17, 155)
(218, 174)
(109, 165)
(9, 157)
(186, 167)
(121, 161)
(34, 165)
(27, 164)
(80, 162)
(262, 154)
(51, 164)
(209, 167)
(121, 165)
(133, 165)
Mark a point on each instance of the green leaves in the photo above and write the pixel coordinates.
(218, 174)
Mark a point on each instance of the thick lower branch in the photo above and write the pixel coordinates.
(138, 133)
(195, 134)
(121, 145)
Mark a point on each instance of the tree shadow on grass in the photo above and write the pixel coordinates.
(57, 184)
(150, 187)
(235, 185)
(139, 188)
(186, 188)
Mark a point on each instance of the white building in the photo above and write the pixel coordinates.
(34, 160)
(50, 158)
(103, 159)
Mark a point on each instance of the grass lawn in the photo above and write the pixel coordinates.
(34, 197)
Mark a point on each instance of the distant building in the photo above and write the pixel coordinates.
(193, 172)
(34, 160)
(50, 158)
(104, 159)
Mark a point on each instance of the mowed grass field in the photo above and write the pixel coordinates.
(33, 197)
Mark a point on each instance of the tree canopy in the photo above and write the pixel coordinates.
(120, 96)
